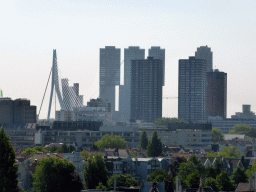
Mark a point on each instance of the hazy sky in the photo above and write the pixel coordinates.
(30, 30)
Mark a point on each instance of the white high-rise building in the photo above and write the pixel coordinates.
(109, 74)
(132, 53)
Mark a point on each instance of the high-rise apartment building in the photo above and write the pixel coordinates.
(158, 53)
(216, 94)
(204, 52)
(146, 89)
(109, 74)
(132, 53)
(192, 90)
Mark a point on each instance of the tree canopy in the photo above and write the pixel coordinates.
(239, 176)
(85, 154)
(166, 120)
(111, 141)
(244, 129)
(223, 182)
(55, 174)
(34, 150)
(154, 148)
(143, 140)
(159, 175)
(217, 135)
(227, 152)
(122, 180)
(95, 172)
(8, 166)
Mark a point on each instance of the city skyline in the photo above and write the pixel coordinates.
(78, 30)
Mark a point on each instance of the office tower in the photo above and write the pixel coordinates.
(192, 90)
(158, 53)
(205, 53)
(146, 89)
(216, 93)
(132, 53)
(109, 74)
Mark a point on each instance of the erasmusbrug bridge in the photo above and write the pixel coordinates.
(68, 96)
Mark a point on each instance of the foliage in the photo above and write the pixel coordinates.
(224, 182)
(210, 182)
(71, 148)
(239, 176)
(174, 166)
(34, 150)
(227, 152)
(244, 129)
(186, 169)
(54, 149)
(55, 174)
(217, 166)
(111, 141)
(197, 163)
(193, 179)
(250, 170)
(122, 180)
(217, 135)
(143, 140)
(101, 186)
(8, 167)
(85, 154)
(95, 172)
(211, 154)
(63, 148)
(166, 120)
(154, 148)
(159, 175)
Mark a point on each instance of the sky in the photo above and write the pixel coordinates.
(30, 30)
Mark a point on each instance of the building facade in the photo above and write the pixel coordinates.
(17, 111)
(109, 74)
(246, 114)
(204, 52)
(132, 53)
(216, 94)
(192, 90)
(158, 53)
(146, 89)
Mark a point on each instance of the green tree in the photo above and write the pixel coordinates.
(217, 135)
(186, 169)
(55, 174)
(143, 140)
(95, 172)
(34, 150)
(154, 148)
(8, 167)
(71, 148)
(111, 141)
(122, 180)
(85, 154)
(196, 161)
(159, 175)
(166, 120)
(210, 182)
(224, 182)
(218, 166)
(101, 186)
(211, 154)
(230, 152)
(54, 149)
(239, 176)
(63, 148)
(240, 129)
(193, 179)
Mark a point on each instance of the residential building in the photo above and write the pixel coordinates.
(146, 89)
(192, 90)
(17, 111)
(204, 52)
(216, 94)
(158, 53)
(109, 74)
(132, 53)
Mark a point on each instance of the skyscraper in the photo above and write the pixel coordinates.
(216, 93)
(132, 53)
(146, 89)
(109, 74)
(205, 53)
(158, 53)
(192, 90)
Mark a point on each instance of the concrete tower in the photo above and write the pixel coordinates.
(205, 53)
